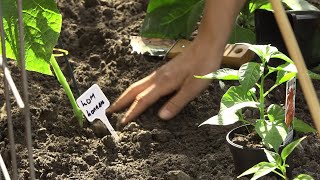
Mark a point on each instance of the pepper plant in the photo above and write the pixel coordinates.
(42, 25)
(270, 125)
(277, 164)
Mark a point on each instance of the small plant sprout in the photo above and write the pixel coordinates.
(277, 164)
(251, 93)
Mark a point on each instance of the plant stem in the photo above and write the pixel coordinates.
(272, 88)
(241, 118)
(284, 177)
(62, 80)
(261, 108)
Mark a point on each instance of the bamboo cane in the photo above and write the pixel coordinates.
(295, 54)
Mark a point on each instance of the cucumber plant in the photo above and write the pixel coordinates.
(42, 25)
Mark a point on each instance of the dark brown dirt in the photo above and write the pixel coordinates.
(96, 33)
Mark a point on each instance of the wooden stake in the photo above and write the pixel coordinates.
(296, 56)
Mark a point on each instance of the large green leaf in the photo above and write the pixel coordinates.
(300, 5)
(290, 147)
(233, 96)
(240, 34)
(223, 118)
(42, 26)
(249, 74)
(272, 134)
(275, 112)
(232, 101)
(259, 170)
(222, 74)
(264, 169)
(228, 116)
(171, 18)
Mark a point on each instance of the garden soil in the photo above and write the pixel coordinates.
(96, 33)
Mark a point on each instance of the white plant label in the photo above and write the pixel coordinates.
(93, 103)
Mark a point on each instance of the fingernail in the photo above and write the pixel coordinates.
(165, 114)
(119, 126)
(110, 109)
(123, 121)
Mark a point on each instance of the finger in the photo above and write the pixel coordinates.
(130, 94)
(186, 94)
(141, 103)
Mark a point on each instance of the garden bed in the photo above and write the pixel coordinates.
(96, 34)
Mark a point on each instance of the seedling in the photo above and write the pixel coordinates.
(270, 126)
(93, 104)
(276, 164)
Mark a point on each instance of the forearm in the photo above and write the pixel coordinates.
(217, 22)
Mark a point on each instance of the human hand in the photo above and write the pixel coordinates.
(177, 75)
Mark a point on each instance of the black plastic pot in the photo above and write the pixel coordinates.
(244, 158)
(306, 27)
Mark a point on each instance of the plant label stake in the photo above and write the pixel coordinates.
(93, 103)
(290, 107)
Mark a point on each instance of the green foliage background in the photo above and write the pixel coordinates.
(176, 19)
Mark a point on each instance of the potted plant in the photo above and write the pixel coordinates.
(270, 128)
(275, 162)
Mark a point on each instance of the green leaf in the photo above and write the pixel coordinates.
(223, 118)
(273, 157)
(260, 4)
(301, 126)
(313, 75)
(259, 170)
(233, 96)
(171, 19)
(222, 74)
(300, 5)
(263, 51)
(288, 67)
(284, 76)
(252, 170)
(42, 26)
(290, 147)
(228, 115)
(303, 177)
(265, 169)
(280, 55)
(232, 101)
(240, 34)
(249, 74)
(275, 112)
(272, 134)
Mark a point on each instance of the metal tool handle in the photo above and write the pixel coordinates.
(234, 55)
